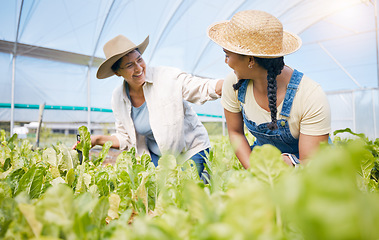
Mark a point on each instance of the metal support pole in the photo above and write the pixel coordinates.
(14, 67)
(89, 69)
(12, 94)
(340, 65)
(89, 99)
(40, 115)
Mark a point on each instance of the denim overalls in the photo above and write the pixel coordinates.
(281, 137)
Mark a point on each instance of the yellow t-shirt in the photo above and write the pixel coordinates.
(310, 112)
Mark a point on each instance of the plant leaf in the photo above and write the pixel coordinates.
(29, 213)
(100, 211)
(267, 164)
(56, 206)
(85, 142)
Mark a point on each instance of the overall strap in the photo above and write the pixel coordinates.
(242, 90)
(291, 92)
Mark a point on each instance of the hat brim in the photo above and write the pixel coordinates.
(105, 68)
(216, 32)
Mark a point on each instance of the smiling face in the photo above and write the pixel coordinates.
(132, 69)
(239, 63)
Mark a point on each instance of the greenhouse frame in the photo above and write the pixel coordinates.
(50, 51)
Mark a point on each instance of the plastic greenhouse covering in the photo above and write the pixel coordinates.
(50, 51)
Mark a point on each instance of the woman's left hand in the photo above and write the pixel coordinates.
(287, 160)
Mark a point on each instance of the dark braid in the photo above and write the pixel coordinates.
(238, 84)
(274, 67)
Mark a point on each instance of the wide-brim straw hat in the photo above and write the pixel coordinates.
(115, 49)
(254, 33)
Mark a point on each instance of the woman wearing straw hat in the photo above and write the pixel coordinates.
(279, 105)
(150, 107)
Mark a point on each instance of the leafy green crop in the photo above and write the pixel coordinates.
(47, 194)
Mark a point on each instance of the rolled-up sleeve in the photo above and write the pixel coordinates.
(316, 118)
(197, 90)
(121, 132)
(229, 99)
(122, 136)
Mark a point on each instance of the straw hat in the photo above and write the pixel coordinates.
(115, 49)
(254, 33)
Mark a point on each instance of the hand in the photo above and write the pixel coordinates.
(93, 142)
(218, 89)
(74, 146)
(290, 159)
(287, 160)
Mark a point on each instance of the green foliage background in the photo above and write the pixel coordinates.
(47, 194)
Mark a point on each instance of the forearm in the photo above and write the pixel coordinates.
(234, 121)
(102, 139)
(199, 90)
(241, 148)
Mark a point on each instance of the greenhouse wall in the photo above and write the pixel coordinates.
(357, 110)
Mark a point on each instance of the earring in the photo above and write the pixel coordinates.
(251, 62)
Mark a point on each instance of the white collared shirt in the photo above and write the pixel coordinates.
(175, 125)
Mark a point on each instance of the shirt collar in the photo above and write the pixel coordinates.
(149, 75)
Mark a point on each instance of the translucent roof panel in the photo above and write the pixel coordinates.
(55, 47)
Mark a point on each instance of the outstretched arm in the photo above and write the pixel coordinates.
(102, 139)
(198, 90)
(237, 137)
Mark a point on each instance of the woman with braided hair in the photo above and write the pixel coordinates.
(279, 105)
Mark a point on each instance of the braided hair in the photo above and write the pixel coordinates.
(274, 67)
